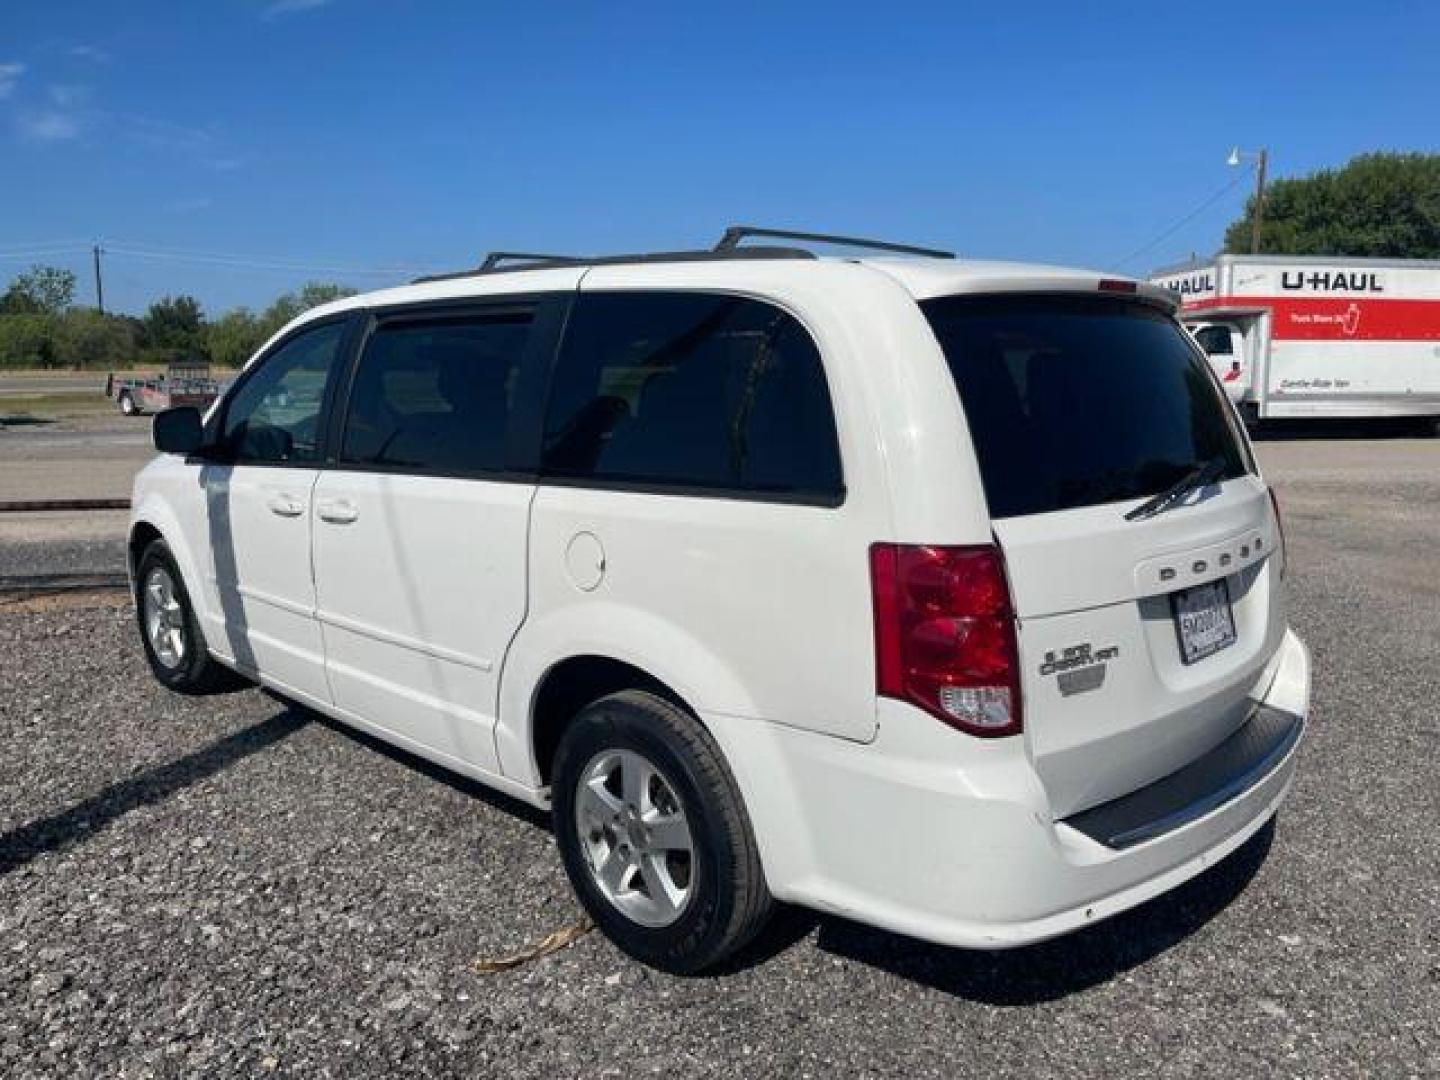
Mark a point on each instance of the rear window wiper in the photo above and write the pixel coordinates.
(1205, 473)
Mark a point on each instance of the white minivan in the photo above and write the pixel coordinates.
(941, 595)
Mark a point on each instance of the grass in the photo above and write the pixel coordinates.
(34, 406)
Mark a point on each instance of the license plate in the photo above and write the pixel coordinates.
(1203, 620)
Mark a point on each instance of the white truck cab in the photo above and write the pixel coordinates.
(943, 595)
(1226, 348)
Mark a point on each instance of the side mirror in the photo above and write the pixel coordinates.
(178, 430)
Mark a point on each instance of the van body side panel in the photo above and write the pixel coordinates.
(774, 595)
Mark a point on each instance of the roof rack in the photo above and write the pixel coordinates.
(731, 240)
(729, 247)
(495, 263)
(495, 258)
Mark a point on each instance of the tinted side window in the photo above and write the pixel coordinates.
(1215, 340)
(274, 415)
(435, 394)
(693, 390)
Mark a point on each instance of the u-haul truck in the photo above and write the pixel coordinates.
(1298, 336)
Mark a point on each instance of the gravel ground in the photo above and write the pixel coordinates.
(229, 886)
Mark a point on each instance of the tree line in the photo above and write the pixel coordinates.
(42, 327)
(1377, 205)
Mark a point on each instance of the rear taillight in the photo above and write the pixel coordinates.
(1280, 530)
(945, 634)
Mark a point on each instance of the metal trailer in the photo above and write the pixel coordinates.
(1294, 336)
(184, 382)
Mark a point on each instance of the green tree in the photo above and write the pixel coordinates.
(175, 324)
(40, 328)
(314, 293)
(233, 338)
(46, 290)
(84, 338)
(27, 341)
(1378, 205)
(289, 305)
(16, 301)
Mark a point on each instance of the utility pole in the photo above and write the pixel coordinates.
(1259, 203)
(99, 284)
(1262, 158)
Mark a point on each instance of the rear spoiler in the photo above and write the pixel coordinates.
(929, 280)
(1075, 284)
(1169, 299)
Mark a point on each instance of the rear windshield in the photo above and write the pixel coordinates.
(1075, 401)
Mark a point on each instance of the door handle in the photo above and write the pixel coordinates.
(337, 512)
(286, 505)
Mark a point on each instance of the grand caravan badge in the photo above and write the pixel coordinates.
(1078, 668)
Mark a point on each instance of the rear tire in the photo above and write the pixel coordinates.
(687, 890)
(170, 632)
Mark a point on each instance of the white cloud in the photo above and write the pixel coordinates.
(289, 7)
(10, 75)
(49, 126)
(161, 134)
(59, 121)
(88, 52)
(68, 97)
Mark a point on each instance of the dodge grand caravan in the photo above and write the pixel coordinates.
(943, 595)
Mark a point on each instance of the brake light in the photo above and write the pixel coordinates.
(1279, 529)
(945, 634)
(1118, 285)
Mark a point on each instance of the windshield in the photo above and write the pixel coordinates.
(1076, 400)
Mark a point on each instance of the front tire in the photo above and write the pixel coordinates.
(169, 630)
(127, 404)
(654, 835)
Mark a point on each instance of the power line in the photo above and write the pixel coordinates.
(150, 251)
(45, 253)
(1177, 226)
(56, 248)
(26, 245)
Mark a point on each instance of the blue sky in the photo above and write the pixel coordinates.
(233, 149)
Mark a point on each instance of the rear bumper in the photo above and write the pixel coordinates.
(1207, 783)
(964, 851)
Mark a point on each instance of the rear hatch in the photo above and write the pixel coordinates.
(1143, 638)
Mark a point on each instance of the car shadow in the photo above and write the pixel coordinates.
(1055, 969)
(83, 820)
(1401, 427)
(439, 773)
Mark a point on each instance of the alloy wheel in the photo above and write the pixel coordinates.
(164, 618)
(635, 837)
